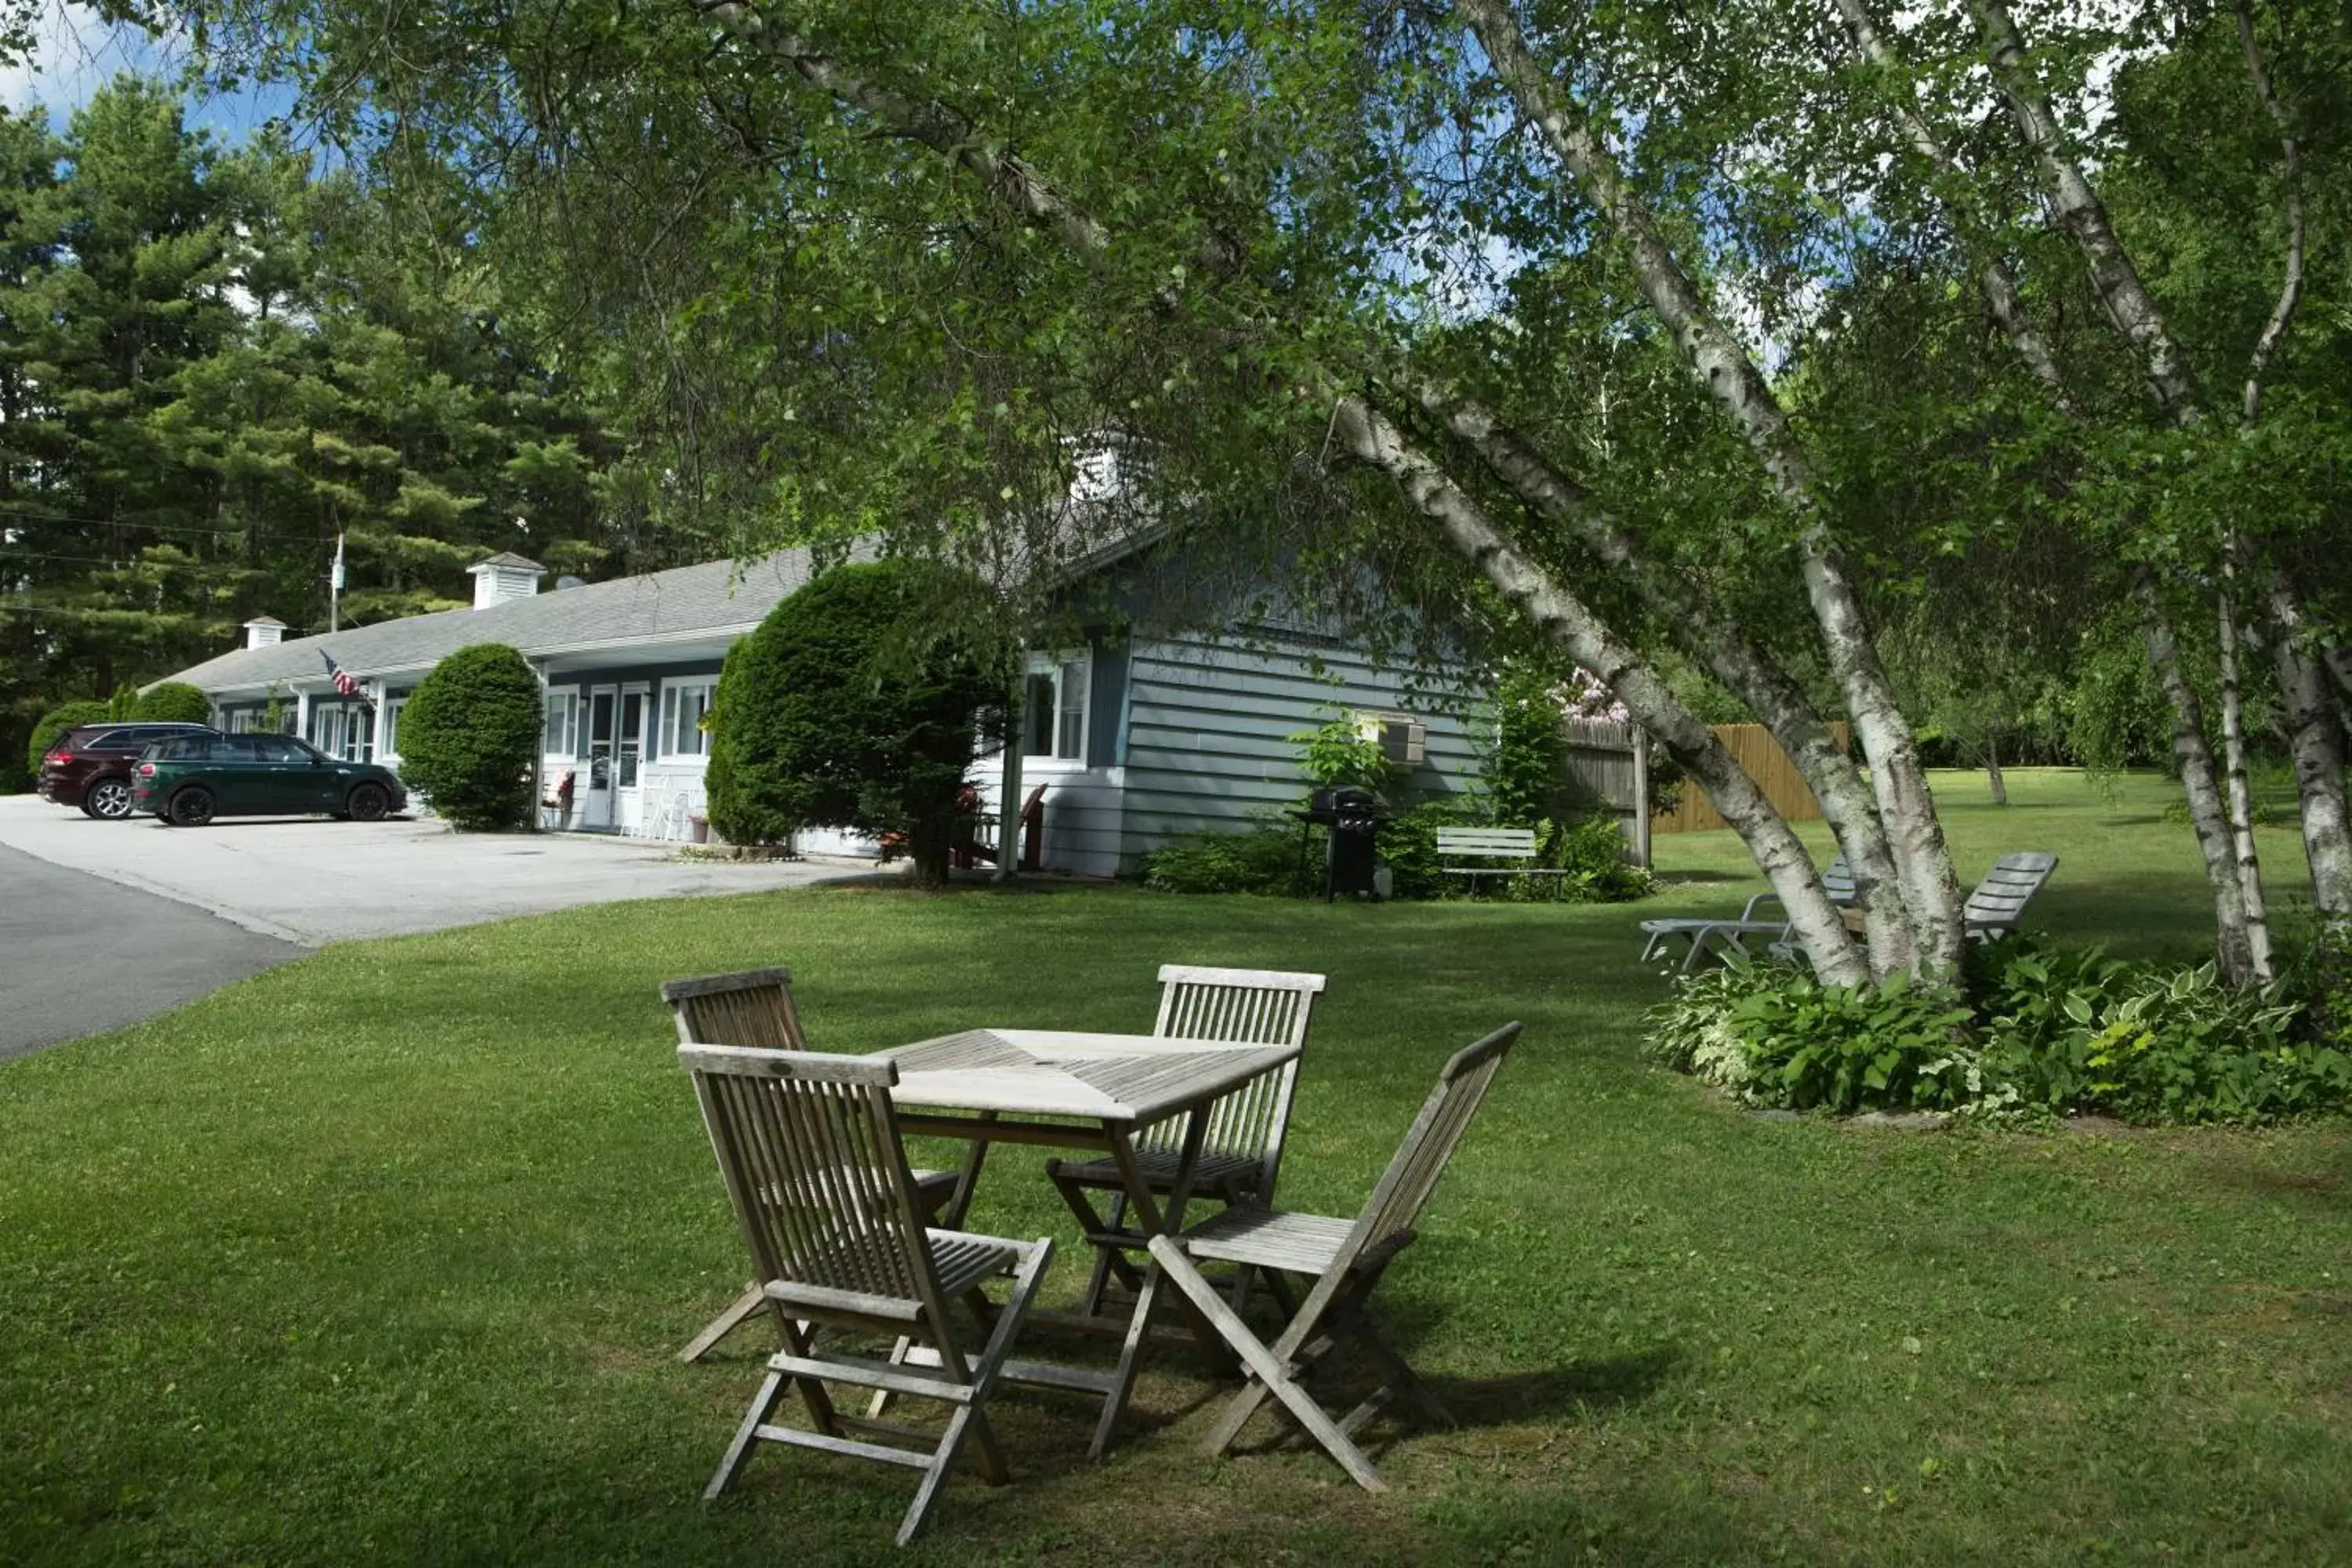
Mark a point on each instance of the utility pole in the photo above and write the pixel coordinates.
(335, 589)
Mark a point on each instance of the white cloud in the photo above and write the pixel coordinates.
(75, 52)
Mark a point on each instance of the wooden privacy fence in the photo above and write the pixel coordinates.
(1606, 765)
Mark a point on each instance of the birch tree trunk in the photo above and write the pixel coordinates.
(2314, 732)
(2233, 954)
(2315, 723)
(1745, 669)
(1906, 810)
(2240, 801)
(1994, 783)
(1372, 438)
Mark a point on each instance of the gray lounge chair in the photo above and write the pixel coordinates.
(1995, 907)
(1730, 936)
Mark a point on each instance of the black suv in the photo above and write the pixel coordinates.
(89, 766)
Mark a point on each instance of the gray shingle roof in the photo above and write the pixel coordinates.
(713, 599)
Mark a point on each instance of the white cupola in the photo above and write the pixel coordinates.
(263, 631)
(504, 577)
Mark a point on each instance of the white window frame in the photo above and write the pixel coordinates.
(241, 722)
(675, 694)
(392, 706)
(1058, 667)
(568, 700)
(344, 730)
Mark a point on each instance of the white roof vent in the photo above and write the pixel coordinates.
(504, 577)
(263, 631)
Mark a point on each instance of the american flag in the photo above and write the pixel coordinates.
(343, 680)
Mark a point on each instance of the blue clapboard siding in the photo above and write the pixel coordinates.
(1210, 721)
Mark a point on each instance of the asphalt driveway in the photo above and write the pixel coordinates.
(312, 880)
(79, 956)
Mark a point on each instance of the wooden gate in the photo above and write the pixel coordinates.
(1605, 767)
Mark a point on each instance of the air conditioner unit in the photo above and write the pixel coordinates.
(1404, 741)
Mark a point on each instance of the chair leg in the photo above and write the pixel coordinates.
(725, 1323)
(1122, 1380)
(969, 1421)
(1107, 1258)
(1270, 1373)
(763, 1404)
(1402, 1377)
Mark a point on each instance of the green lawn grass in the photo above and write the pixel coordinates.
(383, 1256)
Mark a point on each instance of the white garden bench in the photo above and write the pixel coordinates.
(1493, 844)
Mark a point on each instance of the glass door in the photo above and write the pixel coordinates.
(598, 796)
(630, 760)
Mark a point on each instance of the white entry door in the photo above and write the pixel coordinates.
(597, 791)
(628, 760)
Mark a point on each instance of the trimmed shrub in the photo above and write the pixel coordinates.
(853, 706)
(469, 735)
(738, 820)
(174, 702)
(1262, 859)
(56, 722)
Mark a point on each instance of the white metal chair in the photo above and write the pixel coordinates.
(1346, 1259)
(666, 817)
(755, 1009)
(809, 1147)
(1241, 1154)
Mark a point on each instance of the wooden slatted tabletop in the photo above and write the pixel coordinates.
(1131, 1078)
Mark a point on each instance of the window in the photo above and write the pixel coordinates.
(345, 730)
(392, 725)
(683, 704)
(562, 724)
(1054, 707)
(241, 721)
(281, 749)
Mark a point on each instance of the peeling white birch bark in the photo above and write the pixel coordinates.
(1906, 809)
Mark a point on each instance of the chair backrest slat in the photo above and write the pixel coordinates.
(1499, 841)
(809, 1147)
(753, 1008)
(1250, 1006)
(1420, 1160)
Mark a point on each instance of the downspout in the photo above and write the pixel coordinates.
(539, 753)
(1008, 790)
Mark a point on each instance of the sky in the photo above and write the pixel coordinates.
(77, 52)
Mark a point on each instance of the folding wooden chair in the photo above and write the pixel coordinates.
(809, 1146)
(1242, 1152)
(755, 1009)
(1345, 1260)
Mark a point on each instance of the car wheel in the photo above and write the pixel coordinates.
(108, 800)
(193, 806)
(368, 802)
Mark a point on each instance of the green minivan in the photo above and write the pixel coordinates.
(190, 780)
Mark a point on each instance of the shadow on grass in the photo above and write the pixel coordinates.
(1582, 1388)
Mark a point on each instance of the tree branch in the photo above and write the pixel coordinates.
(2291, 288)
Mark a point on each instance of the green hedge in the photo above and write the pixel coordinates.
(174, 702)
(470, 737)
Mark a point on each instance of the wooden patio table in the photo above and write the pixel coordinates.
(1066, 1089)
